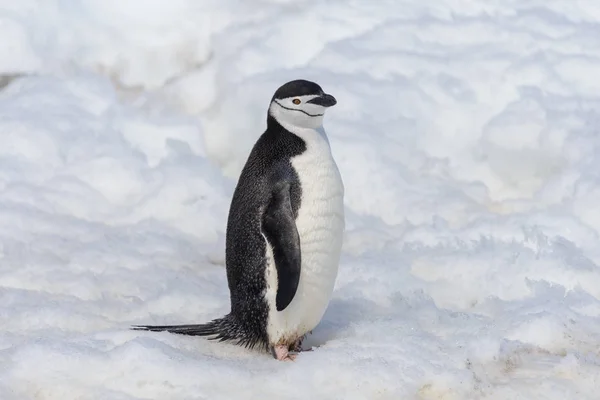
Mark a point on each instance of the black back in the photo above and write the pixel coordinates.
(245, 245)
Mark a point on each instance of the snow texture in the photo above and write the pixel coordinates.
(466, 133)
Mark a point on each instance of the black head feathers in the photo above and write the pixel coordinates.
(299, 87)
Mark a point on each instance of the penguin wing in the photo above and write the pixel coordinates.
(279, 226)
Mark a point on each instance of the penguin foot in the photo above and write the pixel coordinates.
(281, 353)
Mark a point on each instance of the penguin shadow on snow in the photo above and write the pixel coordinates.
(339, 319)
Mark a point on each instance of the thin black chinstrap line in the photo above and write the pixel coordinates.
(295, 109)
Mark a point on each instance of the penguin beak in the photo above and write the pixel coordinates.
(325, 100)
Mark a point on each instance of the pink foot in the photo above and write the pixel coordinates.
(281, 353)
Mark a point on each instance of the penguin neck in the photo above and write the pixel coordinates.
(308, 135)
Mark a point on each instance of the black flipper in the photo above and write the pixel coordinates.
(279, 226)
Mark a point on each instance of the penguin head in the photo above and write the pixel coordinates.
(301, 104)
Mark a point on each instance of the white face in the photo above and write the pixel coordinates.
(298, 111)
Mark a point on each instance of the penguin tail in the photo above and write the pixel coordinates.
(208, 329)
(221, 329)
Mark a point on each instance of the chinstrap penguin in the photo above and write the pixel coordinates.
(284, 230)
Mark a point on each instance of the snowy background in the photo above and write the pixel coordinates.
(467, 136)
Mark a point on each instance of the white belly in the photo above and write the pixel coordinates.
(320, 225)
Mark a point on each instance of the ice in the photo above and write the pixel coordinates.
(466, 133)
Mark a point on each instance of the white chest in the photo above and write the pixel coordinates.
(320, 224)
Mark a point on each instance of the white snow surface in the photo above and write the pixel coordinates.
(467, 135)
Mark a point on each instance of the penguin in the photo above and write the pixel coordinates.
(284, 230)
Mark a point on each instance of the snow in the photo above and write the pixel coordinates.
(466, 133)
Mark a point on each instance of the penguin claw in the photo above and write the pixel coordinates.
(297, 345)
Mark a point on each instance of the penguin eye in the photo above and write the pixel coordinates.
(296, 101)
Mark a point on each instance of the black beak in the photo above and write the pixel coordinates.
(325, 100)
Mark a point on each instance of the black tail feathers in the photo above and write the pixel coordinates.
(192, 330)
(222, 329)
